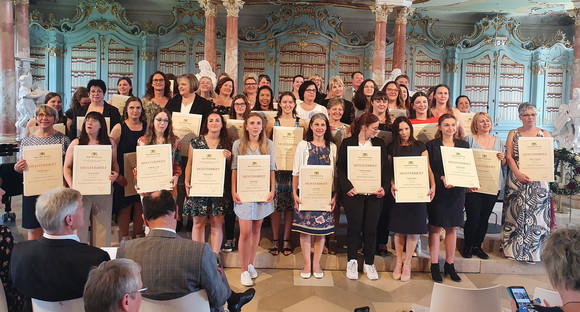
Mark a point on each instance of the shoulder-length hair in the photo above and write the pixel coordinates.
(245, 139)
(327, 134)
(290, 94)
(102, 136)
(397, 137)
(129, 82)
(142, 117)
(258, 106)
(60, 117)
(220, 84)
(476, 117)
(168, 136)
(233, 110)
(75, 102)
(406, 102)
(434, 102)
(359, 99)
(365, 119)
(400, 103)
(412, 111)
(211, 92)
(193, 83)
(441, 119)
(224, 136)
(303, 87)
(150, 92)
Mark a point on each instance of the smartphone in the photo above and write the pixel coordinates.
(520, 295)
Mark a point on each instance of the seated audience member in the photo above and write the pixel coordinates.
(264, 80)
(114, 286)
(173, 267)
(56, 266)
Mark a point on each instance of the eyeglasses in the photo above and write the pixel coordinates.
(310, 90)
(392, 90)
(528, 115)
(158, 80)
(239, 104)
(161, 120)
(139, 290)
(40, 115)
(369, 87)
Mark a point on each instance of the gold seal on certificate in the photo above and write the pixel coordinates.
(285, 141)
(424, 132)
(411, 179)
(467, 119)
(459, 167)
(208, 169)
(315, 187)
(60, 127)
(364, 168)
(235, 129)
(253, 178)
(44, 168)
(92, 168)
(81, 120)
(488, 167)
(129, 162)
(154, 168)
(537, 158)
(186, 127)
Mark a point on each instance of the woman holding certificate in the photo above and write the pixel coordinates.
(446, 209)
(100, 207)
(213, 135)
(362, 161)
(407, 219)
(309, 221)
(526, 209)
(479, 205)
(254, 184)
(45, 135)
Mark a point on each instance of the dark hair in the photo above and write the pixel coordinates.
(97, 83)
(264, 76)
(327, 134)
(283, 94)
(440, 121)
(429, 92)
(407, 101)
(356, 72)
(50, 95)
(224, 74)
(75, 102)
(175, 90)
(158, 204)
(143, 117)
(397, 138)
(365, 119)
(462, 96)
(297, 76)
(412, 112)
(60, 117)
(224, 135)
(359, 99)
(400, 103)
(150, 92)
(379, 95)
(129, 82)
(233, 109)
(402, 76)
(442, 85)
(303, 87)
(102, 136)
(220, 84)
(168, 135)
(257, 106)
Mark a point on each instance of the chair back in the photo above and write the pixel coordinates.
(194, 302)
(552, 297)
(74, 305)
(454, 299)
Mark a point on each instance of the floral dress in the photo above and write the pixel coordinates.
(14, 299)
(315, 222)
(222, 110)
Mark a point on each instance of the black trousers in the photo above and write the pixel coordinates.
(362, 215)
(478, 208)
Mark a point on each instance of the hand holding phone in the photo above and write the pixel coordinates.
(520, 296)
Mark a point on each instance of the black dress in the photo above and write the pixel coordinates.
(446, 209)
(408, 218)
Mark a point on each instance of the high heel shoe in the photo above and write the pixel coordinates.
(397, 271)
(450, 269)
(435, 274)
(406, 275)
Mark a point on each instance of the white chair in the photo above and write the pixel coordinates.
(552, 297)
(454, 299)
(194, 302)
(74, 305)
(112, 251)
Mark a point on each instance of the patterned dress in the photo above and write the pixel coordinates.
(315, 222)
(14, 299)
(220, 109)
(526, 215)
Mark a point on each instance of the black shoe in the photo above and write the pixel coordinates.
(179, 225)
(450, 269)
(237, 300)
(435, 274)
(189, 226)
(467, 253)
(480, 253)
(362, 309)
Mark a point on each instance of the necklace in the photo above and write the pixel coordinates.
(570, 302)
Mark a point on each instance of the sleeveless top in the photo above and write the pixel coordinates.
(128, 143)
(277, 122)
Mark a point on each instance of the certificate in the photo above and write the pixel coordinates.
(208, 170)
(92, 168)
(488, 167)
(186, 127)
(119, 102)
(386, 136)
(315, 188)
(394, 113)
(60, 127)
(266, 115)
(285, 141)
(467, 119)
(459, 167)
(253, 178)
(424, 132)
(44, 168)
(411, 179)
(81, 120)
(537, 158)
(235, 129)
(364, 168)
(154, 168)
(129, 162)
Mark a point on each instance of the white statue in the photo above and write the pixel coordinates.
(206, 71)
(28, 99)
(567, 124)
(394, 74)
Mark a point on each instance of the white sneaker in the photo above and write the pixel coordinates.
(352, 269)
(371, 271)
(252, 270)
(247, 279)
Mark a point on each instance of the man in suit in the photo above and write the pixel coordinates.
(173, 267)
(356, 79)
(56, 266)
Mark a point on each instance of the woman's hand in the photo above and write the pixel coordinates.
(113, 176)
(500, 156)
(121, 180)
(431, 193)
(270, 197)
(393, 190)
(333, 203)
(472, 189)
(227, 154)
(448, 186)
(297, 202)
(20, 165)
(380, 192)
(236, 198)
(173, 181)
(522, 178)
(187, 188)
(352, 192)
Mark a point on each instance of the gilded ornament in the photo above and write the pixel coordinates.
(381, 11)
(538, 70)
(21, 2)
(209, 6)
(233, 7)
(147, 56)
(402, 15)
(55, 52)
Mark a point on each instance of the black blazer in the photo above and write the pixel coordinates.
(108, 111)
(53, 269)
(200, 106)
(341, 163)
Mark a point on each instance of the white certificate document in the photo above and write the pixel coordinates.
(411, 175)
(285, 141)
(364, 168)
(81, 120)
(253, 180)
(235, 129)
(459, 167)
(186, 127)
(60, 127)
(394, 113)
(467, 119)
(208, 170)
(154, 168)
(386, 136)
(129, 162)
(119, 102)
(315, 184)
(92, 168)
(488, 167)
(424, 132)
(44, 168)
(537, 158)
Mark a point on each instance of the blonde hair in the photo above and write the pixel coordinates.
(335, 81)
(476, 117)
(245, 139)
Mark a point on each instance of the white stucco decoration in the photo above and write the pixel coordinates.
(567, 124)
(206, 71)
(394, 74)
(28, 99)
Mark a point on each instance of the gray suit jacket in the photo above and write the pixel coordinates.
(348, 93)
(173, 267)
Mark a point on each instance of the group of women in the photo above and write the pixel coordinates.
(330, 125)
